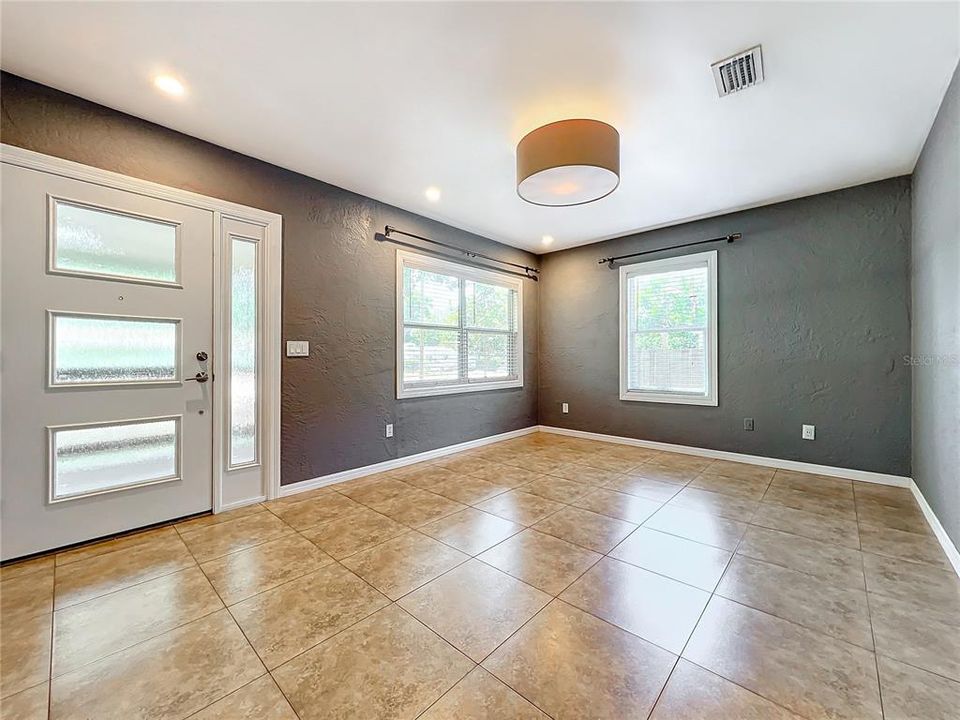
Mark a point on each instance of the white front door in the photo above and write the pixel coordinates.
(107, 332)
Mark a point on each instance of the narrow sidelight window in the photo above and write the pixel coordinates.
(244, 360)
(458, 328)
(668, 330)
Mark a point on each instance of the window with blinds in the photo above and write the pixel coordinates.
(458, 328)
(668, 330)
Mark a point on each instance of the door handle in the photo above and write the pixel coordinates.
(200, 377)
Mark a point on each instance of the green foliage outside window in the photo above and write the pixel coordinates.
(664, 302)
(459, 308)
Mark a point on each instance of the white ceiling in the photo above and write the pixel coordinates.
(388, 99)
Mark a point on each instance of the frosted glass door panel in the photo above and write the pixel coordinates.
(91, 241)
(243, 353)
(101, 458)
(97, 350)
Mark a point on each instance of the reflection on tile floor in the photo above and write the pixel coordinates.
(540, 577)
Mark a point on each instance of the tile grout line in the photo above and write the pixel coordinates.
(557, 598)
(344, 629)
(144, 581)
(940, 675)
(714, 593)
(455, 649)
(267, 670)
(140, 642)
(242, 632)
(865, 590)
(234, 692)
(693, 630)
(397, 602)
(144, 640)
(530, 619)
(389, 603)
(866, 593)
(507, 639)
(234, 620)
(690, 637)
(873, 638)
(53, 626)
(74, 547)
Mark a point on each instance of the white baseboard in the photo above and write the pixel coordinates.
(241, 503)
(827, 470)
(345, 475)
(953, 555)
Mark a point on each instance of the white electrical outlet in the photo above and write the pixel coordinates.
(809, 432)
(389, 431)
(298, 348)
(565, 407)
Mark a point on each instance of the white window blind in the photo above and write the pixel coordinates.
(458, 327)
(668, 330)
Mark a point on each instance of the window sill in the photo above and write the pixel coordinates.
(403, 394)
(670, 399)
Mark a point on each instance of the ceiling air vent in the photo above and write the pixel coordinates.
(739, 72)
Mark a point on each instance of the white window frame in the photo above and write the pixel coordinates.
(654, 267)
(432, 264)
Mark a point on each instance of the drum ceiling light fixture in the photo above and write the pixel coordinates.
(569, 162)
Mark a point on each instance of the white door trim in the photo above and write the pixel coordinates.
(272, 224)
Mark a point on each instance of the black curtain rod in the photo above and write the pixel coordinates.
(611, 260)
(381, 237)
(389, 230)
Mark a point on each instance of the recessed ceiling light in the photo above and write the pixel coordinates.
(432, 193)
(170, 85)
(548, 240)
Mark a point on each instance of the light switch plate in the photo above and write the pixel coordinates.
(298, 348)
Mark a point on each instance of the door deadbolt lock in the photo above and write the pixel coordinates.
(202, 356)
(200, 377)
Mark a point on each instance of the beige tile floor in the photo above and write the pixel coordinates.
(541, 577)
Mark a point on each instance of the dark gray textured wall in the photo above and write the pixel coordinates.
(935, 276)
(338, 284)
(813, 328)
(814, 312)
